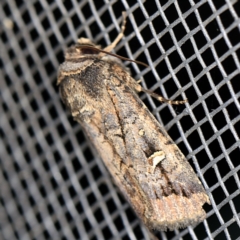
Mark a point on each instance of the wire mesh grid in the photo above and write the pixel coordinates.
(53, 184)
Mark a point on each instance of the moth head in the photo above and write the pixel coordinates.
(83, 47)
(85, 42)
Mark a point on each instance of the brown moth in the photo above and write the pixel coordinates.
(145, 163)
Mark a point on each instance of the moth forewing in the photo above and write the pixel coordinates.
(145, 163)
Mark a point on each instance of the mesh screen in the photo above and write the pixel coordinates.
(53, 184)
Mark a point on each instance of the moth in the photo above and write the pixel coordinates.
(146, 164)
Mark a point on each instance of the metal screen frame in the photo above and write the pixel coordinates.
(53, 183)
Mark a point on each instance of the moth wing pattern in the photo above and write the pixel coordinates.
(102, 98)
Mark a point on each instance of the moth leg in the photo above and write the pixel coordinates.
(162, 99)
(138, 88)
(119, 36)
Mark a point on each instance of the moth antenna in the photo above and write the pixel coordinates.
(115, 55)
(109, 48)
